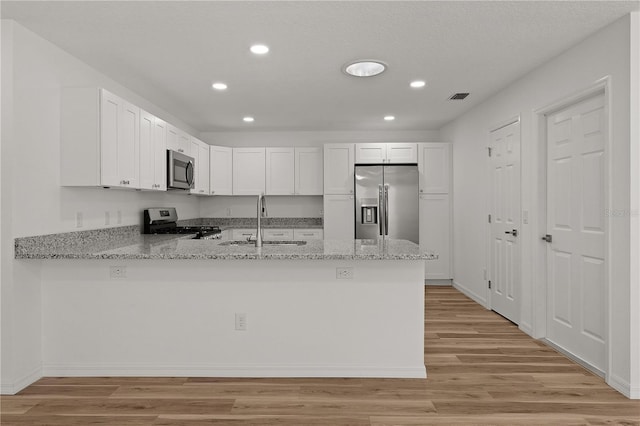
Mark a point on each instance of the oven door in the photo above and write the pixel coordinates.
(180, 170)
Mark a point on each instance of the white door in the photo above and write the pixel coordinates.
(575, 220)
(505, 221)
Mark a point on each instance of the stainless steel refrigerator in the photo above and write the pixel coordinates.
(387, 202)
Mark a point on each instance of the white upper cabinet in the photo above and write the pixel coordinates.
(220, 170)
(153, 152)
(338, 168)
(308, 171)
(200, 153)
(434, 166)
(178, 140)
(280, 171)
(386, 153)
(100, 139)
(248, 171)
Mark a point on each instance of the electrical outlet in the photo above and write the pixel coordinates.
(344, 273)
(107, 218)
(78, 219)
(117, 272)
(119, 217)
(241, 321)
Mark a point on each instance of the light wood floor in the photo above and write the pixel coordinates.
(481, 368)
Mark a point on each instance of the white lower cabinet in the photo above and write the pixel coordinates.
(339, 217)
(277, 234)
(308, 234)
(435, 234)
(243, 234)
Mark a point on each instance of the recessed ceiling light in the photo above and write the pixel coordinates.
(219, 86)
(259, 49)
(365, 68)
(248, 119)
(417, 84)
(389, 118)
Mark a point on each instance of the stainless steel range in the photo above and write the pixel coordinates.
(163, 220)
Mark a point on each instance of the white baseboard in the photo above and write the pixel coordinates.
(207, 370)
(595, 370)
(624, 387)
(526, 328)
(471, 294)
(446, 282)
(15, 387)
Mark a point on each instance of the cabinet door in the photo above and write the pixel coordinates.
(402, 153)
(435, 234)
(147, 153)
(280, 174)
(308, 171)
(243, 234)
(307, 234)
(160, 153)
(248, 171)
(277, 234)
(194, 149)
(200, 152)
(119, 142)
(434, 165)
(339, 217)
(338, 168)
(220, 167)
(177, 140)
(371, 153)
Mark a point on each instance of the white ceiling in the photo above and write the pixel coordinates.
(171, 51)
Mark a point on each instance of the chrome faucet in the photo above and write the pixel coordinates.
(262, 212)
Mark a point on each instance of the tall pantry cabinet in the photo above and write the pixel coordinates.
(434, 166)
(338, 191)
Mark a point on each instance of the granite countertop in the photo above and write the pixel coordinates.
(183, 247)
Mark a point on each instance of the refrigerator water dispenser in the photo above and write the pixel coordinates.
(369, 215)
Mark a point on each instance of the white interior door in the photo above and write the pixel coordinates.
(575, 221)
(505, 221)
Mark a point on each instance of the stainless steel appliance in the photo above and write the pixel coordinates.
(387, 202)
(180, 170)
(163, 220)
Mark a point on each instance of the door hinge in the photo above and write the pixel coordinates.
(489, 218)
(489, 284)
(489, 148)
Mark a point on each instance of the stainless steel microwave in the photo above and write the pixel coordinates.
(180, 170)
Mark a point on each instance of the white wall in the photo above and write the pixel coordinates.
(605, 53)
(33, 203)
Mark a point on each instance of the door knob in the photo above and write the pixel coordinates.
(547, 238)
(513, 232)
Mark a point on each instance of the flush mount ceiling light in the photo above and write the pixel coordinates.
(389, 118)
(417, 84)
(248, 119)
(219, 86)
(259, 49)
(365, 68)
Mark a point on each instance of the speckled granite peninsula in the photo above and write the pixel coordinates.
(183, 247)
(118, 303)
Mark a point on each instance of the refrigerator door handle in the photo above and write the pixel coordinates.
(386, 209)
(380, 204)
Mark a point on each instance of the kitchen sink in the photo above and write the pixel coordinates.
(269, 243)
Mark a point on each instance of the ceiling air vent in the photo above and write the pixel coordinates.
(458, 96)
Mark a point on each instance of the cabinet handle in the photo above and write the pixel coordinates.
(202, 190)
(213, 192)
(422, 190)
(180, 150)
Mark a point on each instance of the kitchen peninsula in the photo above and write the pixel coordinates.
(166, 305)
